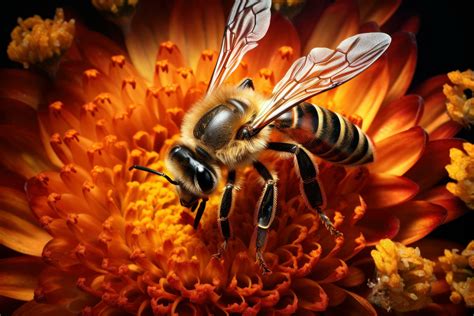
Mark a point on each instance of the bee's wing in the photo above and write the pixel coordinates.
(321, 70)
(248, 22)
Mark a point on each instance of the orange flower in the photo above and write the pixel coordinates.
(97, 238)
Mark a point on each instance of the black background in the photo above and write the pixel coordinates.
(445, 34)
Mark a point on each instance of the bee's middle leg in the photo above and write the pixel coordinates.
(310, 185)
(224, 211)
(266, 212)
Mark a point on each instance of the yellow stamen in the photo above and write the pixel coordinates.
(207, 54)
(184, 72)
(462, 170)
(118, 60)
(460, 103)
(114, 6)
(35, 40)
(459, 270)
(403, 277)
(169, 46)
(286, 52)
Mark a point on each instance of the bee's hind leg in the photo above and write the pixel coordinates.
(224, 211)
(266, 212)
(310, 185)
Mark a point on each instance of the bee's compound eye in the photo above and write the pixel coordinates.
(204, 179)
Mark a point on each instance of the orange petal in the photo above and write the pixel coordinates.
(22, 151)
(397, 116)
(435, 114)
(12, 180)
(369, 27)
(149, 28)
(16, 112)
(21, 85)
(441, 196)
(364, 94)
(417, 219)
(377, 11)
(429, 169)
(33, 308)
(353, 305)
(19, 277)
(329, 270)
(308, 17)
(431, 86)
(335, 293)
(445, 130)
(383, 190)
(377, 225)
(95, 48)
(204, 19)
(18, 228)
(355, 277)
(280, 33)
(310, 295)
(339, 21)
(65, 290)
(402, 55)
(398, 153)
(410, 24)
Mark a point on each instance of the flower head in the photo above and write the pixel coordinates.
(112, 240)
(404, 278)
(460, 103)
(459, 269)
(462, 170)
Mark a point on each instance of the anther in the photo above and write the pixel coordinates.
(207, 54)
(286, 52)
(118, 60)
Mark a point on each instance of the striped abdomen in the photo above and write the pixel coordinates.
(326, 134)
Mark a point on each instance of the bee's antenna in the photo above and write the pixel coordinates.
(154, 172)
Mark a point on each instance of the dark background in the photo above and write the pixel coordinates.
(443, 42)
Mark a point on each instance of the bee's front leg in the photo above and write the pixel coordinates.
(266, 212)
(224, 211)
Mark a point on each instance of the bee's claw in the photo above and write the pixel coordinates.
(261, 262)
(221, 250)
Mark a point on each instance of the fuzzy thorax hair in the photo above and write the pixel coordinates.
(236, 153)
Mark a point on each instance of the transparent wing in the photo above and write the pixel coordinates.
(248, 22)
(321, 70)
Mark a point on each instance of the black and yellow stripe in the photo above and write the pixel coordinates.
(326, 134)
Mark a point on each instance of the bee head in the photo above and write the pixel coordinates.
(195, 177)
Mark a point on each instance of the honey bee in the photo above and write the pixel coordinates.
(230, 126)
